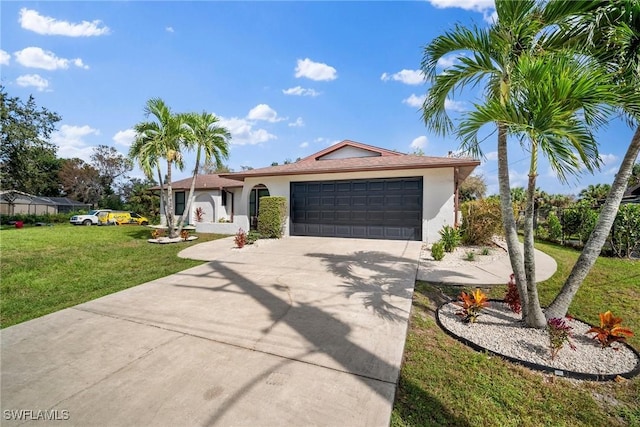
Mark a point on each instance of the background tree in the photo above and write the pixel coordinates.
(634, 179)
(595, 194)
(80, 181)
(28, 159)
(472, 188)
(112, 167)
(210, 168)
(138, 197)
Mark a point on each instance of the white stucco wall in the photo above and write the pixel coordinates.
(437, 194)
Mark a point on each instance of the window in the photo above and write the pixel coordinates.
(179, 202)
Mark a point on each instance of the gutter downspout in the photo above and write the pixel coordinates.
(456, 203)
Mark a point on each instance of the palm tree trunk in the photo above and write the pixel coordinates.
(163, 198)
(170, 207)
(592, 248)
(191, 191)
(535, 316)
(509, 222)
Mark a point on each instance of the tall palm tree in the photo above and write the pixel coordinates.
(612, 35)
(204, 134)
(158, 139)
(489, 57)
(557, 99)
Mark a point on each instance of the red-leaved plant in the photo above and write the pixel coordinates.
(610, 330)
(512, 298)
(559, 334)
(184, 234)
(199, 214)
(471, 304)
(241, 238)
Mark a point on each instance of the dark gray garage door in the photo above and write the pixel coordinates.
(363, 208)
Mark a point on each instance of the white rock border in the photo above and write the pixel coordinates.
(501, 332)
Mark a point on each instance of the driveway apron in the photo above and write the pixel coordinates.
(297, 331)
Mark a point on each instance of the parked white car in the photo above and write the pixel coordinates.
(91, 218)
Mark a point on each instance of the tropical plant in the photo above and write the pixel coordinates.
(199, 214)
(471, 304)
(610, 330)
(160, 138)
(240, 238)
(611, 34)
(450, 238)
(470, 256)
(437, 251)
(203, 133)
(595, 194)
(559, 335)
(528, 39)
(184, 235)
(512, 298)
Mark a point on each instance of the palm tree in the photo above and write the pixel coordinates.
(160, 139)
(556, 100)
(612, 35)
(595, 194)
(522, 27)
(204, 134)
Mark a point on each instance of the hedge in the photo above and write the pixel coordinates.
(271, 216)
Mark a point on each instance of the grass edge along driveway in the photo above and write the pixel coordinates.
(46, 269)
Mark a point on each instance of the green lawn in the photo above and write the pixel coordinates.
(445, 383)
(46, 269)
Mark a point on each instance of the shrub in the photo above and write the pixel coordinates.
(252, 237)
(271, 216)
(625, 233)
(156, 234)
(559, 334)
(471, 305)
(437, 251)
(554, 227)
(241, 238)
(184, 235)
(481, 220)
(610, 330)
(450, 238)
(59, 218)
(579, 221)
(512, 297)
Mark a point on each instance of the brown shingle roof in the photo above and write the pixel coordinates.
(203, 182)
(357, 164)
(380, 151)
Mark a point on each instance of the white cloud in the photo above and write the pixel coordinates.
(414, 100)
(304, 145)
(169, 30)
(315, 70)
(448, 61)
(264, 112)
(298, 123)
(452, 105)
(300, 91)
(492, 155)
(475, 5)
(608, 159)
(490, 17)
(70, 139)
(124, 137)
(4, 57)
(419, 143)
(243, 133)
(33, 80)
(33, 21)
(408, 77)
(36, 57)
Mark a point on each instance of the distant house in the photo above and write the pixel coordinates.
(632, 195)
(14, 202)
(346, 190)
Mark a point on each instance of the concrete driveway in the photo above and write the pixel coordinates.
(297, 331)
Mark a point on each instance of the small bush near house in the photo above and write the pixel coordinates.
(271, 216)
(437, 251)
(554, 227)
(240, 239)
(450, 238)
(625, 233)
(481, 220)
(252, 237)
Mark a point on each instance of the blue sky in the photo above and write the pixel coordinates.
(287, 78)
